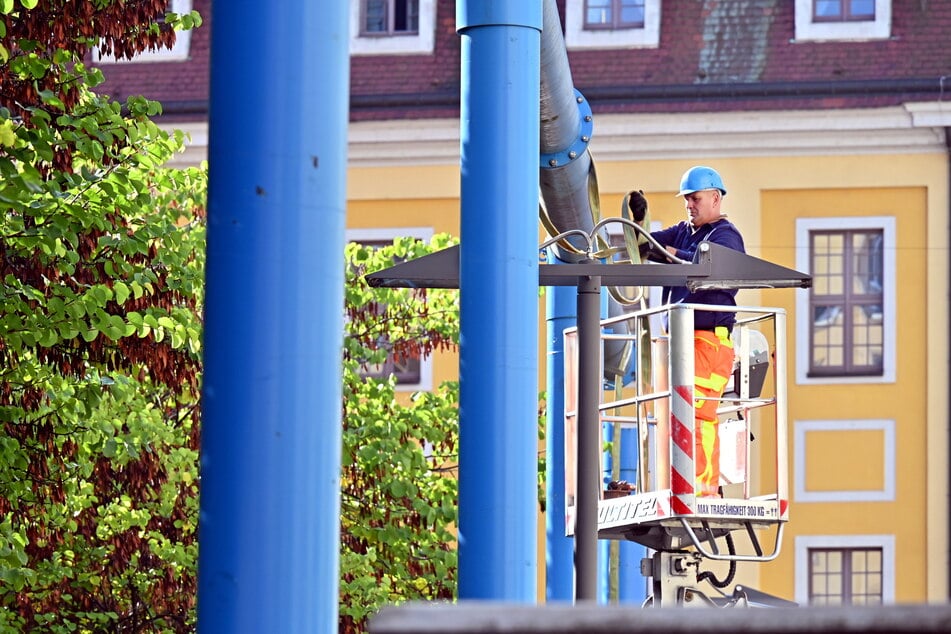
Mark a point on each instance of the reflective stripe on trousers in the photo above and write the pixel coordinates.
(713, 365)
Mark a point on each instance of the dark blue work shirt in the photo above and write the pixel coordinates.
(683, 238)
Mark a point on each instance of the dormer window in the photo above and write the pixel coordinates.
(843, 20)
(614, 14)
(605, 24)
(392, 27)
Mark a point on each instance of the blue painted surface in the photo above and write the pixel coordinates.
(561, 313)
(269, 521)
(632, 585)
(498, 366)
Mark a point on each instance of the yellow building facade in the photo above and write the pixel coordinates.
(868, 455)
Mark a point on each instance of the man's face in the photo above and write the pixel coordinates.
(702, 207)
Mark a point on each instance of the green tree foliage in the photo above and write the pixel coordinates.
(99, 332)
(398, 507)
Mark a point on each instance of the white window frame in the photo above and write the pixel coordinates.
(804, 427)
(179, 52)
(878, 29)
(806, 542)
(889, 293)
(388, 234)
(577, 38)
(421, 43)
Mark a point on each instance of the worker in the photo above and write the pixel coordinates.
(703, 191)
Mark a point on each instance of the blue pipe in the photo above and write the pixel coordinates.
(631, 587)
(498, 365)
(561, 313)
(271, 435)
(631, 583)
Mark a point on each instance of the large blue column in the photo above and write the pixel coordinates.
(498, 366)
(269, 525)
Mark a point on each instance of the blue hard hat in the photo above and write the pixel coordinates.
(699, 178)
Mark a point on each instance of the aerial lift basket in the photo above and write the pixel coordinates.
(660, 508)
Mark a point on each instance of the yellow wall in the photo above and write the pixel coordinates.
(852, 460)
(766, 196)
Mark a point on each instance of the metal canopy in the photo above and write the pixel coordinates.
(716, 267)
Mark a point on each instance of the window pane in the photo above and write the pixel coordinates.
(406, 369)
(864, 9)
(818, 561)
(632, 13)
(834, 560)
(375, 21)
(867, 262)
(598, 13)
(829, 9)
(406, 16)
(834, 584)
(827, 316)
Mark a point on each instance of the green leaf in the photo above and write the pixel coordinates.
(121, 291)
(7, 136)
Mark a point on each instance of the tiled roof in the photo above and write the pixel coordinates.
(713, 55)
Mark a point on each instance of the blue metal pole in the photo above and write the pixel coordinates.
(498, 365)
(632, 587)
(269, 521)
(562, 312)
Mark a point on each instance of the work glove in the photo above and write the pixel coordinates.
(637, 203)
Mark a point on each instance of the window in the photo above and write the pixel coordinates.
(392, 27)
(843, 10)
(614, 14)
(178, 53)
(847, 318)
(411, 373)
(390, 17)
(845, 569)
(845, 576)
(847, 333)
(407, 370)
(599, 24)
(843, 20)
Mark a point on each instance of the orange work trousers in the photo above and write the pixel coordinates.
(713, 365)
